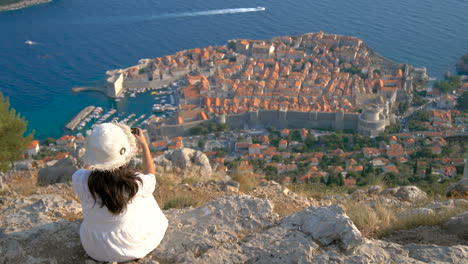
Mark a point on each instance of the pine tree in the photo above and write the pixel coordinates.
(13, 143)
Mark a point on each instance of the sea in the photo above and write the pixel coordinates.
(73, 43)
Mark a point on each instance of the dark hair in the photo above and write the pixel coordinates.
(115, 188)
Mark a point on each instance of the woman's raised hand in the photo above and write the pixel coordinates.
(140, 137)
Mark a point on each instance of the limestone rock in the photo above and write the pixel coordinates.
(389, 191)
(441, 206)
(378, 251)
(327, 225)
(59, 172)
(406, 193)
(374, 189)
(437, 254)
(230, 229)
(387, 202)
(359, 195)
(459, 189)
(3, 185)
(187, 162)
(458, 225)
(194, 232)
(57, 242)
(23, 165)
(417, 212)
(36, 210)
(35, 232)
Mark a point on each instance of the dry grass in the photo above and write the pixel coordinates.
(413, 221)
(381, 221)
(247, 182)
(182, 201)
(189, 181)
(317, 191)
(24, 183)
(370, 221)
(171, 195)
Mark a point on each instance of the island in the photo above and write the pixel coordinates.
(315, 80)
(6, 5)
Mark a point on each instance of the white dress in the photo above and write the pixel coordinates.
(132, 234)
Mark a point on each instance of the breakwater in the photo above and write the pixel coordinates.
(94, 89)
(79, 117)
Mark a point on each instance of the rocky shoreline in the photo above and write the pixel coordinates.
(22, 4)
(462, 64)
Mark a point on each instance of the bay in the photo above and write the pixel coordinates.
(76, 41)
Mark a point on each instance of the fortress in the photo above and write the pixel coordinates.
(315, 80)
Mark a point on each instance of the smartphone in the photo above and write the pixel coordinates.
(135, 131)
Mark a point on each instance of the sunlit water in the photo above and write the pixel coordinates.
(75, 42)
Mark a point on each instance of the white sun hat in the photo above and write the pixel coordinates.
(110, 146)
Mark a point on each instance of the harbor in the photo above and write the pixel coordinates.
(133, 107)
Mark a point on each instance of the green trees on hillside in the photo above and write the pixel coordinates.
(462, 102)
(13, 143)
(450, 84)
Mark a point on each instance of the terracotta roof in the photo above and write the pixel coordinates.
(33, 144)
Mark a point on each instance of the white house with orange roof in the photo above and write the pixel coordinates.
(80, 140)
(254, 149)
(65, 140)
(446, 102)
(283, 144)
(33, 148)
(67, 143)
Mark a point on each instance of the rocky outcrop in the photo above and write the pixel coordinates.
(3, 185)
(61, 171)
(20, 214)
(23, 165)
(188, 163)
(410, 194)
(458, 225)
(462, 65)
(459, 189)
(407, 193)
(374, 189)
(230, 229)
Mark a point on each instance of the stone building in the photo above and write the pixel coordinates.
(373, 120)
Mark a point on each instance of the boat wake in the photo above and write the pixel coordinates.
(182, 14)
(30, 42)
(216, 12)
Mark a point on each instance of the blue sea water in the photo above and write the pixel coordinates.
(77, 41)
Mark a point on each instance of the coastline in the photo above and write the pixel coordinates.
(23, 4)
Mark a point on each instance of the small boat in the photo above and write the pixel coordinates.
(260, 8)
(157, 108)
(132, 95)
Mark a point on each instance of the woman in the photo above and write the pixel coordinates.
(122, 220)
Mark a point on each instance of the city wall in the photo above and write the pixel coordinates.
(279, 119)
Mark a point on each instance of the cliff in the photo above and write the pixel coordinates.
(41, 225)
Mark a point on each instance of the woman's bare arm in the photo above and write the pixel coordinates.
(148, 164)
